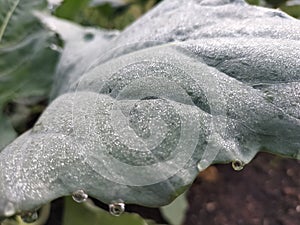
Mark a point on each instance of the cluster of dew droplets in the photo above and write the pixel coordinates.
(30, 217)
(237, 165)
(116, 208)
(79, 196)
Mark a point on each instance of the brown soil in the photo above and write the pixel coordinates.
(265, 192)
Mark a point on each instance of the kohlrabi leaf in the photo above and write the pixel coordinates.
(24, 44)
(26, 61)
(190, 84)
(7, 131)
(79, 49)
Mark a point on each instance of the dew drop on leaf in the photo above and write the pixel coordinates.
(116, 208)
(202, 164)
(237, 165)
(79, 196)
(30, 217)
(9, 209)
(55, 47)
(53, 4)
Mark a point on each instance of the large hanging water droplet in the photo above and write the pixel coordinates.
(116, 208)
(9, 209)
(237, 165)
(202, 165)
(79, 196)
(55, 47)
(30, 217)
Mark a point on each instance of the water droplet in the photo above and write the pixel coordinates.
(237, 165)
(53, 4)
(79, 196)
(70, 130)
(55, 47)
(9, 209)
(30, 217)
(116, 208)
(202, 165)
(52, 8)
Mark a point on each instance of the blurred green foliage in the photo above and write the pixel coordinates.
(291, 7)
(88, 213)
(104, 15)
(109, 16)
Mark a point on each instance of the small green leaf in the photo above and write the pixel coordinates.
(253, 2)
(175, 212)
(292, 10)
(71, 9)
(87, 212)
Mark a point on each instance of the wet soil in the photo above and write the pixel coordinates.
(265, 192)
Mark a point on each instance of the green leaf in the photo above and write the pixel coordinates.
(139, 114)
(16, 20)
(112, 14)
(176, 211)
(254, 2)
(79, 48)
(87, 212)
(7, 134)
(71, 9)
(26, 61)
(293, 10)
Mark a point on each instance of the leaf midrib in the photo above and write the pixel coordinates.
(7, 19)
